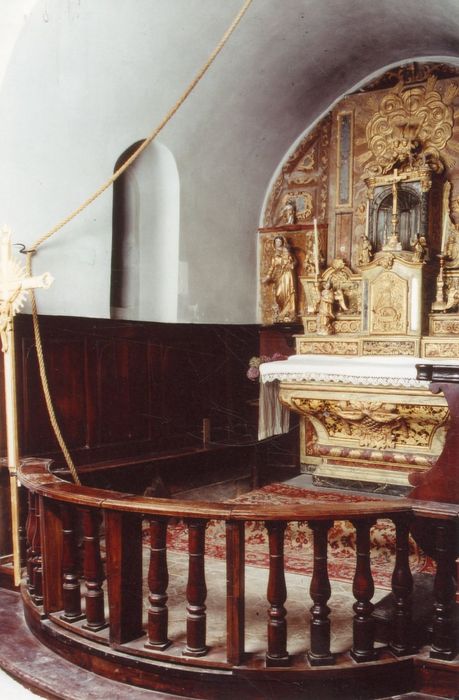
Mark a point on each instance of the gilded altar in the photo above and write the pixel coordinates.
(367, 208)
(365, 419)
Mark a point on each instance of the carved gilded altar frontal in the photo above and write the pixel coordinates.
(375, 424)
(395, 429)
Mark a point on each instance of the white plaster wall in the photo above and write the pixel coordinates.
(85, 79)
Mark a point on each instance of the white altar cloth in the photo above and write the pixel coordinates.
(370, 370)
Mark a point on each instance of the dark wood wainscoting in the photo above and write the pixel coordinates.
(119, 386)
(131, 399)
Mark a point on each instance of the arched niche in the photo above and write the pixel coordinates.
(144, 267)
(409, 212)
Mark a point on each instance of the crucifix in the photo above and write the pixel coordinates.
(14, 285)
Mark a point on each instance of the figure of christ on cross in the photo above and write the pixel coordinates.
(14, 285)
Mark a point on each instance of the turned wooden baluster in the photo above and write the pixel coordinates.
(402, 586)
(443, 637)
(277, 654)
(196, 591)
(158, 581)
(70, 578)
(320, 590)
(93, 571)
(31, 526)
(37, 566)
(363, 590)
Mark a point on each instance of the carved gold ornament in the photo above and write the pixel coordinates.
(443, 350)
(302, 202)
(388, 304)
(445, 325)
(328, 347)
(408, 122)
(375, 424)
(389, 347)
(307, 166)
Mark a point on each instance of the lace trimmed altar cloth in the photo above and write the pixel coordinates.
(370, 370)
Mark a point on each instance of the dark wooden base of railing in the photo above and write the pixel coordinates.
(326, 660)
(193, 679)
(7, 573)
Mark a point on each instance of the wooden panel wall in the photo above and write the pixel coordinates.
(122, 387)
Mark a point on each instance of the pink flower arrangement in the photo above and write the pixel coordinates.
(253, 373)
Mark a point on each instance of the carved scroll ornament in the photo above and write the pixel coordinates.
(411, 122)
(379, 425)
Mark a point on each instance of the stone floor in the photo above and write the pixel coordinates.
(51, 676)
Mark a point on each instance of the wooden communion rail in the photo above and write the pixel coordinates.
(100, 625)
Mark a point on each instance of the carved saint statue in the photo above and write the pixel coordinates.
(452, 298)
(289, 212)
(325, 314)
(452, 247)
(281, 274)
(338, 276)
(365, 250)
(420, 250)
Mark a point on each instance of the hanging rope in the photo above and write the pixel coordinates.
(44, 383)
(108, 183)
(153, 134)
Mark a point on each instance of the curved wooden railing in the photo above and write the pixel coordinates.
(90, 597)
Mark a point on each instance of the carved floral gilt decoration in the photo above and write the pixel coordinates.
(375, 424)
(407, 119)
(306, 167)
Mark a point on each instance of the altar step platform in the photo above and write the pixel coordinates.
(365, 422)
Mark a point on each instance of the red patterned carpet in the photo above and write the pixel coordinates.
(299, 542)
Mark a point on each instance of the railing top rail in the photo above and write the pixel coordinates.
(35, 477)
